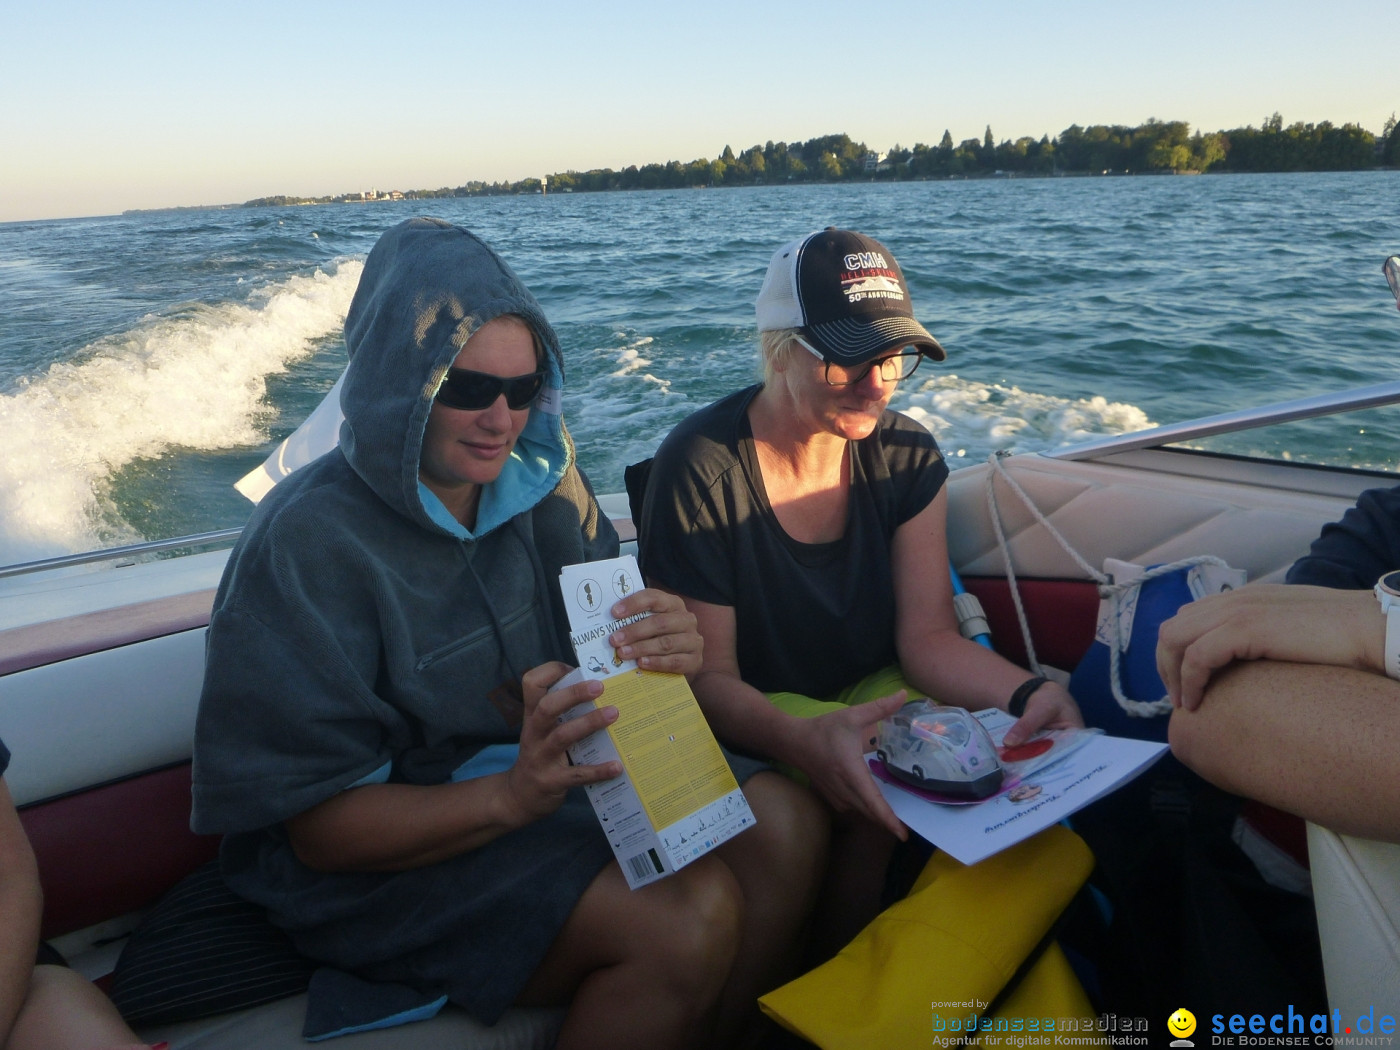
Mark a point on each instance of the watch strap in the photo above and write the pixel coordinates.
(1016, 707)
(1392, 640)
(1387, 595)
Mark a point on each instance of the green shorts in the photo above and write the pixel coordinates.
(883, 682)
(880, 683)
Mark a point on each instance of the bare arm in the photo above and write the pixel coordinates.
(21, 902)
(935, 657)
(1313, 740)
(1310, 625)
(829, 748)
(393, 827)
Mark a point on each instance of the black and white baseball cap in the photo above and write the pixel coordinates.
(847, 296)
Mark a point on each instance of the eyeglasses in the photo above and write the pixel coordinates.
(472, 391)
(893, 367)
(1391, 269)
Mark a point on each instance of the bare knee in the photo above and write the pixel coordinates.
(58, 987)
(64, 1009)
(675, 938)
(681, 933)
(791, 840)
(702, 920)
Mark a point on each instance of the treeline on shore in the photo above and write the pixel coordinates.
(1154, 147)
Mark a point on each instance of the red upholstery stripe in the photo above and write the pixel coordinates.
(1284, 830)
(114, 849)
(1062, 614)
(45, 643)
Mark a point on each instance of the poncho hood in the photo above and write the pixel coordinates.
(427, 286)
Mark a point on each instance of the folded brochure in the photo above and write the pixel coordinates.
(1043, 786)
(677, 798)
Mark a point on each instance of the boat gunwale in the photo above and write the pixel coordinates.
(131, 550)
(1377, 395)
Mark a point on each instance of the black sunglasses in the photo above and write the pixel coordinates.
(472, 391)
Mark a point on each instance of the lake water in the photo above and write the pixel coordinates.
(149, 361)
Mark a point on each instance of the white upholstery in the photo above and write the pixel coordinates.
(62, 722)
(1261, 523)
(1356, 888)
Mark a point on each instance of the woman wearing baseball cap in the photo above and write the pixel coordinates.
(803, 522)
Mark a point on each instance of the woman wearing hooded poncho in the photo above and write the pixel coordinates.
(374, 737)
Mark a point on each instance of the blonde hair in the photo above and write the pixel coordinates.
(775, 346)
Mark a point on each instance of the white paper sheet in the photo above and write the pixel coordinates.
(973, 832)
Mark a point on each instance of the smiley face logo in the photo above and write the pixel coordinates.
(1182, 1023)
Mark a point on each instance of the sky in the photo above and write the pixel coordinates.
(116, 105)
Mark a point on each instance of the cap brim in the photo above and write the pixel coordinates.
(849, 341)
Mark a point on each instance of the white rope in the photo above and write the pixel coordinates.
(995, 460)
(1111, 592)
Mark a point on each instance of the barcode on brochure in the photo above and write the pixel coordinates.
(644, 865)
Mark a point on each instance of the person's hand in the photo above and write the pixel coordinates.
(833, 757)
(1049, 707)
(542, 776)
(1311, 625)
(664, 641)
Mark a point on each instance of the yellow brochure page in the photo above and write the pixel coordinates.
(673, 760)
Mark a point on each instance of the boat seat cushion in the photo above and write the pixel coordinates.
(203, 950)
(114, 849)
(1356, 884)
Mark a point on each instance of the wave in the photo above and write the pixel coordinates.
(972, 420)
(194, 378)
(629, 408)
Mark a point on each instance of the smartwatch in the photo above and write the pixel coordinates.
(1388, 593)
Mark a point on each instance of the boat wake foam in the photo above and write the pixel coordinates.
(971, 419)
(195, 378)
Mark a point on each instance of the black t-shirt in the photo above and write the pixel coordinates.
(809, 618)
(1355, 552)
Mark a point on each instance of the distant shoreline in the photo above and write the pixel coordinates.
(405, 195)
(1153, 148)
(416, 195)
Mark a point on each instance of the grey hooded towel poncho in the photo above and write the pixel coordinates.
(361, 634)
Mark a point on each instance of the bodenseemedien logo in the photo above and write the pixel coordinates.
(1181, 1024)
